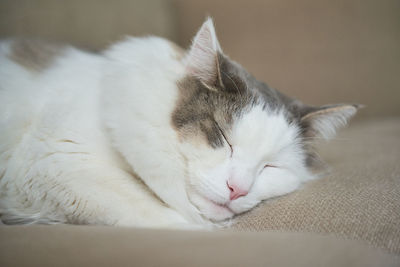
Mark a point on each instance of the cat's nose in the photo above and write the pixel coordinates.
(236, 191)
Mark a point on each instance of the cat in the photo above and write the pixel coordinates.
(146, 134)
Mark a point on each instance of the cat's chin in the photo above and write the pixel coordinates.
(210, 209)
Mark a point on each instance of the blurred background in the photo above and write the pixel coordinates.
(319, 51)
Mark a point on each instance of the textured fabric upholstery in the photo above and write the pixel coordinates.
(66, 245)
(89, 24)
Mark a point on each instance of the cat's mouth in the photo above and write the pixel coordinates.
(218, 212)
(211, 209)
(224, 206)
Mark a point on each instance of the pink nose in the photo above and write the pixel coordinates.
(236, 192)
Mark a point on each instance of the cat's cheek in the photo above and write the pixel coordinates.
(276, 182)
(243, 204)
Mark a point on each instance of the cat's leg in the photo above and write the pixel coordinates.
(118, 198)
(58, 187)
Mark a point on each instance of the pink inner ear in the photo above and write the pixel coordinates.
(202, 57)
(324, 121)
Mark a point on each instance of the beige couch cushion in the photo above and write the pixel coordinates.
(359, 198)
(67, 245)
(91, 24)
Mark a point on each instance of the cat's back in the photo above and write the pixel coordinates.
(55, 102)
(30, 67)
(52, 92)
(41, 83)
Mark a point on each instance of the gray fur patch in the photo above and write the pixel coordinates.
(34, 55)
(211, 108)
(200, 109)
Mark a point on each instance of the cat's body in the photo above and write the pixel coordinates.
(79, 132)
(53, 135)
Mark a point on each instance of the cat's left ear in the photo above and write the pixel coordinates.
(324, 121)
(202, 58)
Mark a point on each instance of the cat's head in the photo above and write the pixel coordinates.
(243, 142)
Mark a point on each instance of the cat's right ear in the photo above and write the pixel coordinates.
(202, 58)
(325, 120)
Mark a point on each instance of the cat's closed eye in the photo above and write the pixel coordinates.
(266, 166)
(269, 166)
(226, 139)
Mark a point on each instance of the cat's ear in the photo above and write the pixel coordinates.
(324, 121)
(202, 58)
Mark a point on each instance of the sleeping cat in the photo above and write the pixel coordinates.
(146, 134)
